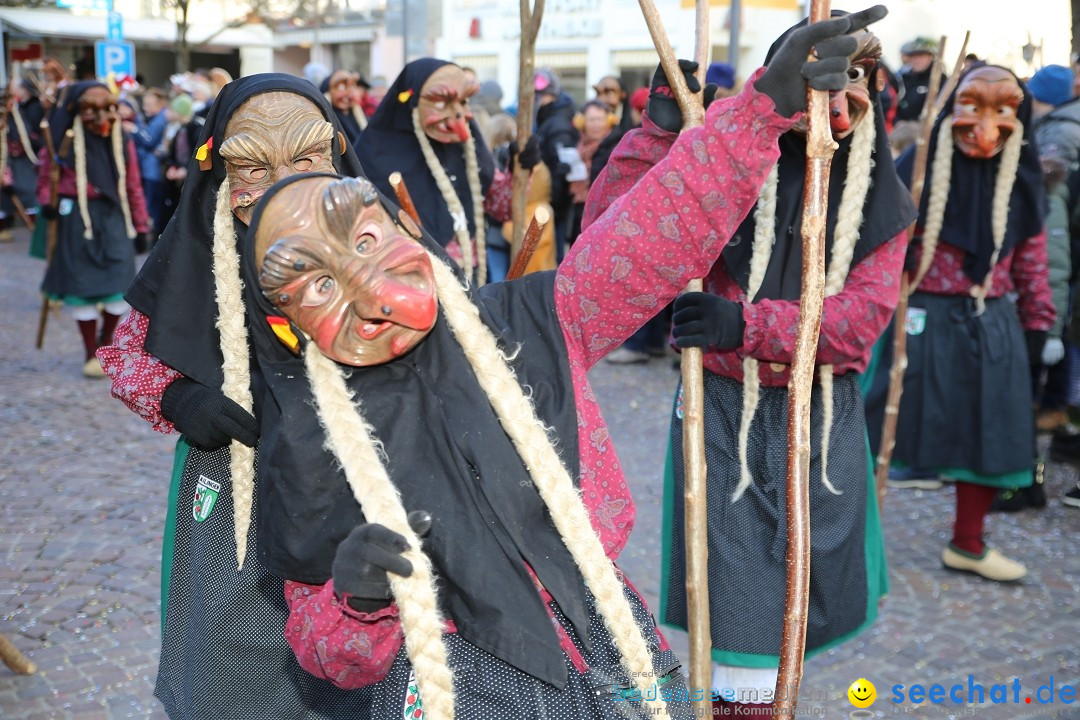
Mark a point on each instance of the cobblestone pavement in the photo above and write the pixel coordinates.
(83, 486)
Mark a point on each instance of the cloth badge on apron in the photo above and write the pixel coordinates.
(413, 709)
(915, 323)
(206, 495)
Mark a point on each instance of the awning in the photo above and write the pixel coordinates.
(562, 59)
(477, 62)
(634, 58)
(332, 35)
(88, 28)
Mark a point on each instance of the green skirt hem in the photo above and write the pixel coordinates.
(74, 301)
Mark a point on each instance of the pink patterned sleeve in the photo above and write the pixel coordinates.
(636, 153)
(852, 321)
(1031, 277)
(670, 227)
(138, 378)
(334, 642)
(499, 196)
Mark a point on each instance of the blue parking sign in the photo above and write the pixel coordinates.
(114, 57)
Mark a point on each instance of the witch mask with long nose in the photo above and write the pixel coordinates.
(444, 105)
(333, 260)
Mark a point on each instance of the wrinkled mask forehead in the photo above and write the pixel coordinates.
(333, 261)
(444, 105)
(985, 111)
(272, 136)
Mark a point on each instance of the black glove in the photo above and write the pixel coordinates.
(49, 212)
(365, 557)
(704, 320)
(206, 417)
(663, 109)
(1036, 339)
(789, 71)
(529, 157)
(8, 190)
(143, 242)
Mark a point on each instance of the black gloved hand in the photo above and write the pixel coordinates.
(529, 157)
(206, 417)
(143, 242)
(789, 71)
(663, 108)
(561, 170)
(365, 557)
(49, 212)
(1036, 339)
(8, 190)
(704, 320)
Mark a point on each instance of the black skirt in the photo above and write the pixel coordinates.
(747, 539)
(967, 388)
(99, 267)
(24, 183)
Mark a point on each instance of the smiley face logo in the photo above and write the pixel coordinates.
(862, 693)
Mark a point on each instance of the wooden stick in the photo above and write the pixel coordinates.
(51, 227)
(954, 78)
(14, 659)
(695, 470)
(529, 243)
(530, 26)
(907, 286)
(820, 147)
(404, 199)
(20, 210)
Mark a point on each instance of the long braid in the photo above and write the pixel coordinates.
(351, 440)
(359, 116)
(935, 206)
(518, 418)
(999, 214)
(121, 177)
(450, 196)
(236, 366)
(80, 177)
(472, 171)
(760, 254)
(845, 237)
(24, 137)
(3, 149)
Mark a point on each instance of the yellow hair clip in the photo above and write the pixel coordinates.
(284, 333)
(203, 154)
(404, 95)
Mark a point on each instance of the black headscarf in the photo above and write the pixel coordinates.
(446, 452)
(348, 122)
(968, 210)
(389, 143)
(887, 210)
(175, 287)
(101, 170)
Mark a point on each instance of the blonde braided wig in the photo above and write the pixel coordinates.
(453, 202)
(351, 440)
(845, 238)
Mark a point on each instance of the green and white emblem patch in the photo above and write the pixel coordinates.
(206, 495)
(915, 323)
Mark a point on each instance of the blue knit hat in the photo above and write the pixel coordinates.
(720, 73)
(1052, 85)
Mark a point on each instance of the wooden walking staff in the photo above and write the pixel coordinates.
(530, 26)
(51, 225)
(404, 199)
(694, 473)
(15, 660)
(528, 244)
(820, 147)
(907, 285)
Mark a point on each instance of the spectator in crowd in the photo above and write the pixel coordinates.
(555, 131)
(149, 137)
(914, 77)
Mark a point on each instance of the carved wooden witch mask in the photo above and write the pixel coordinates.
(342, 91)
(444, 105)
(333, 260)
(985, 111)
(97, 110)
(270, 137)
